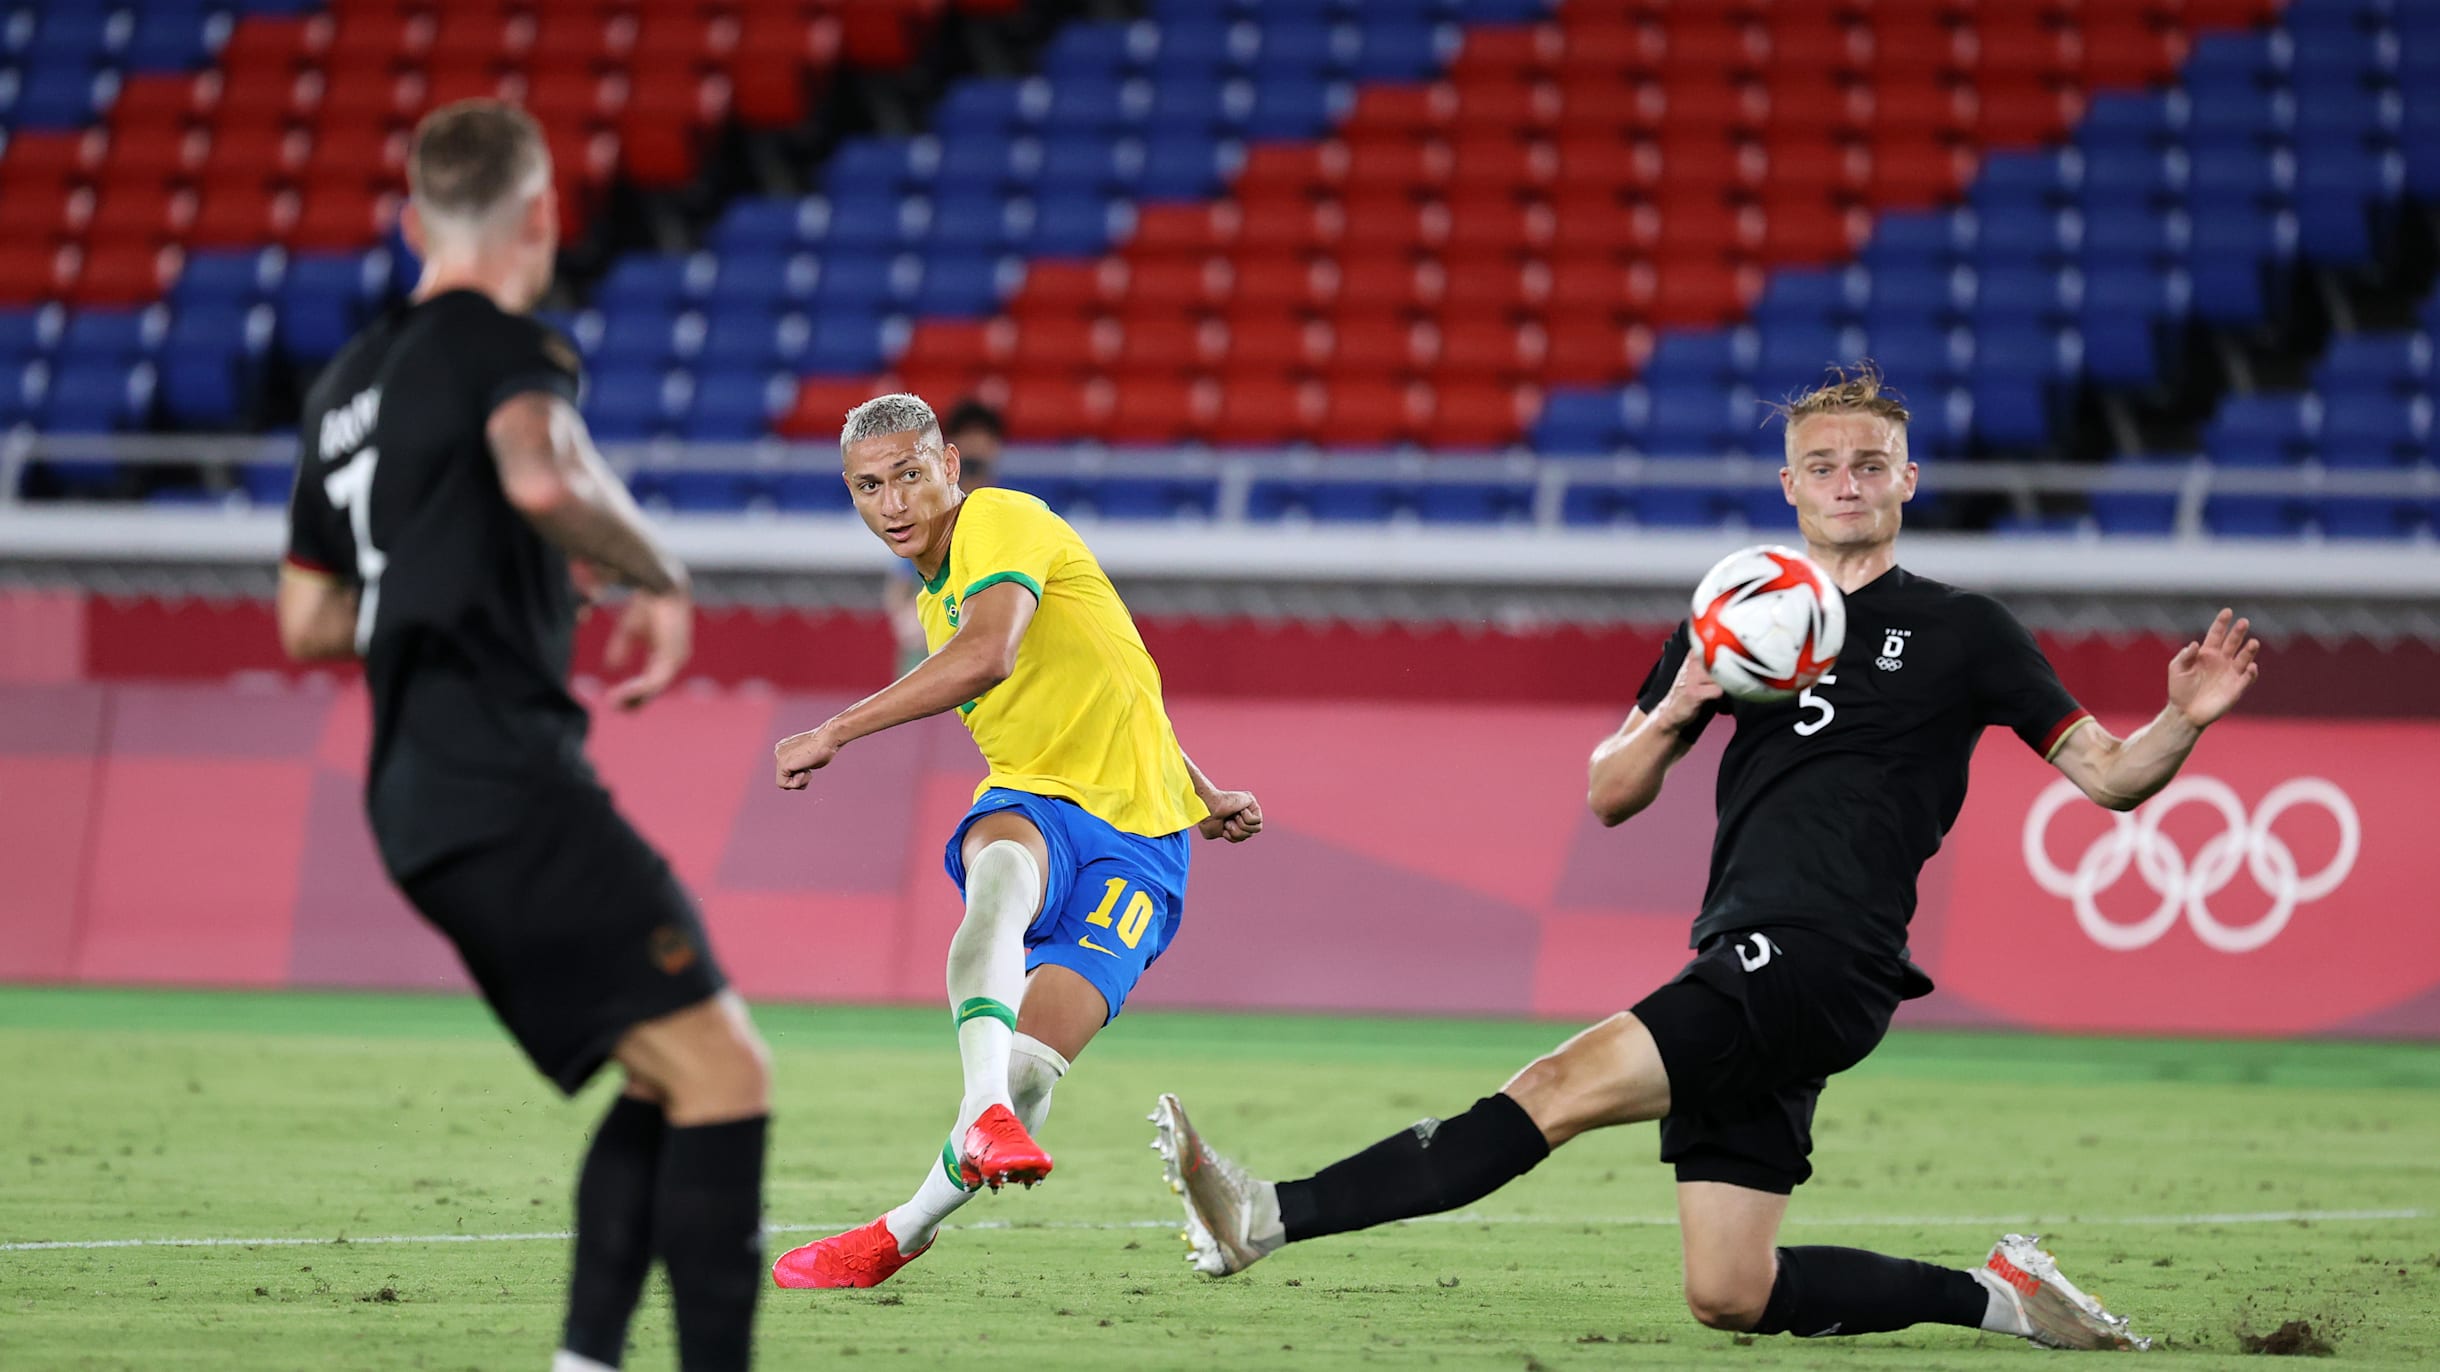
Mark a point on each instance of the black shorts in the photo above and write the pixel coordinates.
(574, 928)
(1749, 1033)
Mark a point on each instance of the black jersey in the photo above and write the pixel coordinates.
(466, 616)
(1831, 802)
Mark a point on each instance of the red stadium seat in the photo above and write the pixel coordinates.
(1152, 410)
(1603, 161)
(1382, 222)
(1492, 290)
(1487, 349)
(1047, 410)
(122, 274)
(370, 37)
(239, 217)
(41, 157)
(370, 154)
(1172, 283)
(1696, 43)
(1585, 349)
(1283, 225)
(28, 271)
(1263, 411)
(262, 50)
(960, 343)
(821, 407)
(1915, 106)
(2023, 113)
(2019, 44)
(1184, 228)
(143, 212)
(1809, 232)
(36, 213)
(1069, 288)
(1376, 345)
(1507, 54)
(162, 156)
(151, 105)
(341, 216)
(1602, 105)
(1471, 414)
(1484, 164)
(1594, 44)
(1383, 111)
(1274, 344)
(1279, 173)
(1366, 412)
(1700, 292)
(478, 37)
(1497, 226)
(1162, 342)
(1052, 344)
(1917, 172)
(772, 89)
(1283, 280)
(249, 154)
(1375, 283)
(1393, 164)
(2128, 50)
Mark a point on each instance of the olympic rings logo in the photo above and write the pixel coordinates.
(2135, 840)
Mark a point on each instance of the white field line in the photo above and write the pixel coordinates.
(1585, 1221)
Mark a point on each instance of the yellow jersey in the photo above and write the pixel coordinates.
(1081, 715)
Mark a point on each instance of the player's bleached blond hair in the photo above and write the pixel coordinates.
(472, 160)
(1858, 391)
(895, 413)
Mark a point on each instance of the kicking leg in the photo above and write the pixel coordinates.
(1060, 1008)
(1062, 1012)
(1005, 860)
(1609, 1074)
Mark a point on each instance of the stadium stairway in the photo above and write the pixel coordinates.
(198, 194)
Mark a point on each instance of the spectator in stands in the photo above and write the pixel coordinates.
(976, 430)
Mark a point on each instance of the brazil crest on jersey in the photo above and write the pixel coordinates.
(1081, 715)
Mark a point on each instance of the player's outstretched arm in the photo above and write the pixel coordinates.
(317, 615)
(1628, 767)
(2206, 680)
(1235, 815)
(979, 656)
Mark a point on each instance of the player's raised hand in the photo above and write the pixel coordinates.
(661, 627)
(1235, 816)
(2206, 678)
(801, 755)
(1689, 695)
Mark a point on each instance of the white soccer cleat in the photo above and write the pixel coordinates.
(2049, 1309)
(1221, 1198)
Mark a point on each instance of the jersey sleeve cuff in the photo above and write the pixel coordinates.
(997, 577)
(2076, 719)
(302, 563)
(544, 379)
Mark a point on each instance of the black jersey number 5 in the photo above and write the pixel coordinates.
(350, 487)
(1807, 728)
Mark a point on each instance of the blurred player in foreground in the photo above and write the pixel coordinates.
(447, 483)
(1073, 860)
(975, 430)
(1829, 805)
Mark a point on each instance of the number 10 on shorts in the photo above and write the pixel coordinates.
(1132, 924)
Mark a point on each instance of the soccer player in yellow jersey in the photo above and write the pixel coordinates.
(1072, 861)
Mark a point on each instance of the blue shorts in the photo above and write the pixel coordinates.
(1110, 901)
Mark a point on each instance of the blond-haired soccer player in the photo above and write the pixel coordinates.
(1073, 860)
(1829, 805)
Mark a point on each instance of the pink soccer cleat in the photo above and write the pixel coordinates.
(864, 1256)
(997, 1150)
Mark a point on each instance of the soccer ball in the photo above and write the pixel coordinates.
(1769, 623)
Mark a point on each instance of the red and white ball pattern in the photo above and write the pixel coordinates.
(1769, 622)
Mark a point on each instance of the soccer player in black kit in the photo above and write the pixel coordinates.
(1829, 805)
(445, 489)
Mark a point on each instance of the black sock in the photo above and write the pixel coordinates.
(1849, 1291)
(614, 1198)
(1435, 1165)
(707, 1224)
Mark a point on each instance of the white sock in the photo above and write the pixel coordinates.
(2005, 1313)
(987, 971)
(565, 1361)
(1034, 1068)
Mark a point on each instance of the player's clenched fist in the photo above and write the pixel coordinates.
(1235, 816)
(801, 755)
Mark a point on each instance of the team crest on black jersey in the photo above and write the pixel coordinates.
(1893, 649)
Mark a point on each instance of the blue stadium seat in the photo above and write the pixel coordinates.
(1391, 48)
(2115, 236)
(1790, 356)
(763, 279)
(1914, 355)
(1578, 422)
(97, 397)
(2254, 516)
(650, 281)
(860, 282)
(1071, 226)
(2372, 427)
(979, 107)
(1074, 164)
(2235, 255)
(1682, 507)
(969, 222)
(49, 98)
(1596, 505)
(2134, 512)
(1803, 296)
(1691, 420)
(734, 406)
(26, 334)
(2266, 430)
(1151, 497)
(226, 277)
(2397, 361)
(2367, 517)
(1916, 293)
(808, 492)
(210, 363)
(324, 298)
(868, 160)
(1705, 357)
(624, 404)
(845, 345)
(1192, 166)
(1286, 107)
(117, 336)
(759, 224)
(1088, 49)
(966, 286)
(2127, 120)
(635, 338)
(169, 40)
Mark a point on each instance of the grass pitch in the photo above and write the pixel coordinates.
(387, 1142)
